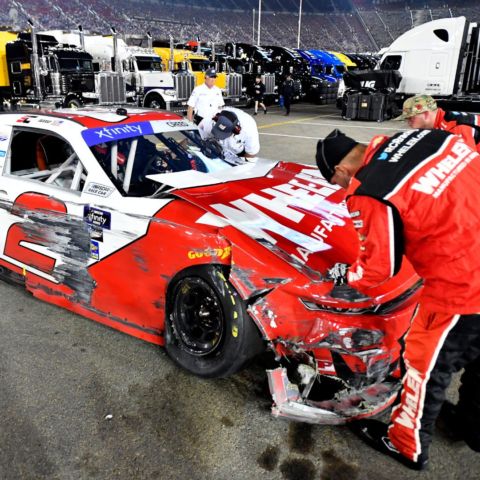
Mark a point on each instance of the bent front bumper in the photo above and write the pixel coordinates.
(347, 405)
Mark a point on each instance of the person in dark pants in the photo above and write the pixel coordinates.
(258, 93)
(416, 194)
(287, 92)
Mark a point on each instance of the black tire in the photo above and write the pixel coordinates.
(155, 101)
(207, 330)
(73, 102)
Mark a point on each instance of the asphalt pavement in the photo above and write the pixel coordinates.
(81, 401)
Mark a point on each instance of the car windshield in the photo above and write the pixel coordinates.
(129, 161)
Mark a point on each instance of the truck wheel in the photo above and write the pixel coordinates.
(207, 330)
(72, 102)
(155, 101)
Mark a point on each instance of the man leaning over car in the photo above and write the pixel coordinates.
(417, 194)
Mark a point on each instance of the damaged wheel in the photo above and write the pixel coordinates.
(208, 331)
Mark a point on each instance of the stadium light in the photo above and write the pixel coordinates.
(259, 21)
(253, 26)
(299, 23)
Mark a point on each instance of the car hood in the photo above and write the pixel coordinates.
(292, 210)
(288, 205)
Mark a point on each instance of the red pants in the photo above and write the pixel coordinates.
(436, 346)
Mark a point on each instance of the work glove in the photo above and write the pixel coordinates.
(338, 273)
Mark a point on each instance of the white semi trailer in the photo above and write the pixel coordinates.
(439, 58)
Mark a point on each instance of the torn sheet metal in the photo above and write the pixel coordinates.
(347, 405)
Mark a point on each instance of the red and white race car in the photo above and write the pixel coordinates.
(132, 220)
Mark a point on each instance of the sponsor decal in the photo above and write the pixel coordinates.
(412, 385)
(94, 136)
(368, 83)
(26, 119)
(396, 143)
(96, 233)
(3, 138)
(97, 217)
(2, 153)
(358, 223)
(98, 189)
(179, 123)
(439, 177)
(94, 250)
(221, 253)
(307, 191)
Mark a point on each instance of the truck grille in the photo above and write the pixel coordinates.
(234, 85)
(111, 87)
(268, 80)
(184, 84)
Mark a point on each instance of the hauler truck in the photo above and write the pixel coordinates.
(438, 58)
(146, 82)
(36, 69)
(176, 59)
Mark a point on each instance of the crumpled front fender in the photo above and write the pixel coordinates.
(346, 406)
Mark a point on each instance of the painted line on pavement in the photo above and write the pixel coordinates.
(277, 124)
(353, 126)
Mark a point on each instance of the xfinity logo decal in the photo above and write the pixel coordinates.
(96, 217)
(94, 136)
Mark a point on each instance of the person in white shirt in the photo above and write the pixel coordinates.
(206, 100)
(235, 131)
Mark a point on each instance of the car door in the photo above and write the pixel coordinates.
(43, 237)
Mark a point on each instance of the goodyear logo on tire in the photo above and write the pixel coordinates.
(220, 253)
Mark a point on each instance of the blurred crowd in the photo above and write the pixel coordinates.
(356, 26)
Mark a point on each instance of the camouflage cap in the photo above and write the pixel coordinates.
(418, 104)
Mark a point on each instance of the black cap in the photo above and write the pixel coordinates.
(224, 125)
(331, 150)
(211, 73)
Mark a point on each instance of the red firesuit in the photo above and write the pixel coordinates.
(467, 125)
(418, 195)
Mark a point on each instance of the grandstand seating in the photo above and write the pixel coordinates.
(346, 25)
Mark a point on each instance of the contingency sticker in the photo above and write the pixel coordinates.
(97, 217)
(94, 250)
(96, 233)
(98, 189)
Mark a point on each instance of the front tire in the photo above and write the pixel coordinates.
(208, 331)
(73, 102)
(155, 101)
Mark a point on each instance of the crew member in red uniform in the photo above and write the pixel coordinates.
(421, 111)
(417, 194)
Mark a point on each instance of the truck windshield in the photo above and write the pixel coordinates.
(199, 65)
(149, 64)
(129, 161)
(75, 65)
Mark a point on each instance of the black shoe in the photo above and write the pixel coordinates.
(265, 111)
(375, 434)
(448, 423)
(255, 113)
(451, 426)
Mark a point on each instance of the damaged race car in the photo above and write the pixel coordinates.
(130, 219)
